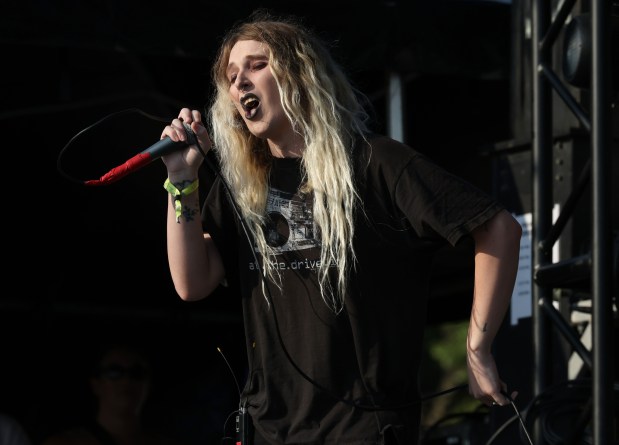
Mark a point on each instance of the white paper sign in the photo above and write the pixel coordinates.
(523, 288)
(522, 297)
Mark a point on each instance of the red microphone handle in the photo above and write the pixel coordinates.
(131, 165)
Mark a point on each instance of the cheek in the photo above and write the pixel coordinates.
(234, 102)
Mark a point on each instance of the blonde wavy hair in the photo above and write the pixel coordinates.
(325, 109)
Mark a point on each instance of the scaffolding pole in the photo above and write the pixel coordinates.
(545, 32)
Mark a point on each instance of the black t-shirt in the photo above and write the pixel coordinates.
(368, 355)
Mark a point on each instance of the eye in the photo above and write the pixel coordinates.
(232, 78)
(258, 65)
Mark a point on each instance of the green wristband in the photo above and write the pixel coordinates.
(178, 194)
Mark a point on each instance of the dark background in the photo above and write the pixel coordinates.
(85, 265)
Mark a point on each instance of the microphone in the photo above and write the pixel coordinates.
(158, 149)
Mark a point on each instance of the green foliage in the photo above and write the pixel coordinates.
(444, 367)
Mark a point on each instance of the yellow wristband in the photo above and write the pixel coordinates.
(178, 194)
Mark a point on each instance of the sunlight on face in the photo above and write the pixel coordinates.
(254, 91)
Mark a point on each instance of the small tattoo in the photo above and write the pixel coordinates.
(182, 184)
(189, 213)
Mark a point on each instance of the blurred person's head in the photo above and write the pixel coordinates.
(121, 379)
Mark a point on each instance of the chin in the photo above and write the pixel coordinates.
(258, 129)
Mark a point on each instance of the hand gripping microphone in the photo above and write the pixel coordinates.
(163, 147)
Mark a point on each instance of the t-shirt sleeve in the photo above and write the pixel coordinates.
(439, 203)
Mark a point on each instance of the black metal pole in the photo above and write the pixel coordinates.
(568, 332)
(567, 211)
(565, 9)
(542, 193)
(564, 94)
(601, 252)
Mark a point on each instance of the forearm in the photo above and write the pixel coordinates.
(497, 248)
(194, 262)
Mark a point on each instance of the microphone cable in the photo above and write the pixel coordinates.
(351, 403)
(280, 338)
(237, 213)
(136, 162)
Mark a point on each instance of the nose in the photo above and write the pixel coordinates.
(242, 84)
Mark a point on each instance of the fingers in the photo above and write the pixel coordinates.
(484, 382)
(185, 116)
(189, 116)
(176, 130)
(490, 390)
(194, 119)
(504, 398)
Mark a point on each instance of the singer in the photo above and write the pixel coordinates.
(332, 250)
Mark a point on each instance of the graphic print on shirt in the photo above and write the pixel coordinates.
(290, 226)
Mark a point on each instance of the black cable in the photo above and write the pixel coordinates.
(563, 412)
(430, 431)
(502, 428)
(225, 437)
(89, 127)
(266, 284)
(279, 335)
(300, 371)
(264, 281)
(496, 434)
(518, 416)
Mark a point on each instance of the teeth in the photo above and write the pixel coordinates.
(250, 103)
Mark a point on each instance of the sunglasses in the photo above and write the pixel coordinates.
(117, 372)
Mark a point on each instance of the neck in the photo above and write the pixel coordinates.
(291, 147)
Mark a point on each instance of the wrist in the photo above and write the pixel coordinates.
(182, 184)
(478, 344)
(181, 176)
(179, 190)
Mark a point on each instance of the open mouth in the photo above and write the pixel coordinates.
(250, 104)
